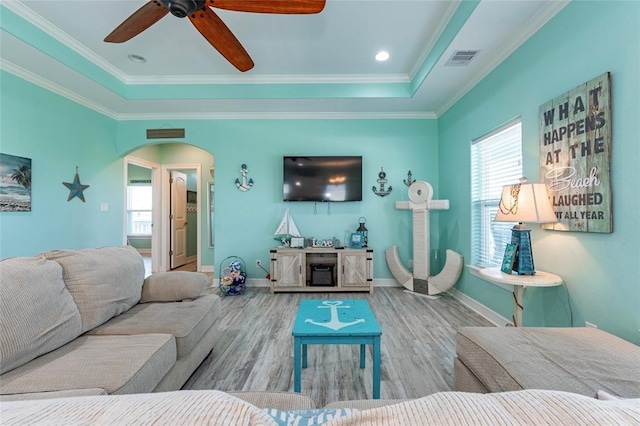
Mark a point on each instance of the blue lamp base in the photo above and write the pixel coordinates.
(523, 263)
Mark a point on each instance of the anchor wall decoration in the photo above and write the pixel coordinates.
(421, 202)
(408, 180)
(334, 323)
(244, 185)
(382, 180)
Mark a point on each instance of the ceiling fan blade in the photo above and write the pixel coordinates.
(139, 21)
(270, 6)
(220, 36)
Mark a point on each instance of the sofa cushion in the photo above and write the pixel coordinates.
(117, 364)
(37, 313)
(283, 401)
(104, 282)
(364, 404)
(579, 360)
(173, 286)
(30, 396)
(165, 408)
(186, 321)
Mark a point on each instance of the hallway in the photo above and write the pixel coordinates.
(190, 266)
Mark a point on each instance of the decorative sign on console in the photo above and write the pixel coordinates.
(575, 153)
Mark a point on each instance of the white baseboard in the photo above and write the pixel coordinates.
(263, 282)
(144, 252)
(385, 282)
(206, 268)
(490, 315)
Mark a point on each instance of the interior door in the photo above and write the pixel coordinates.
(178, 219)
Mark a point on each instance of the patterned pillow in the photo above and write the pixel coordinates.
(308, 417)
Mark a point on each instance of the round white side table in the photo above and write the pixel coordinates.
(519, 283)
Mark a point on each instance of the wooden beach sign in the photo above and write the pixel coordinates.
(575, 156)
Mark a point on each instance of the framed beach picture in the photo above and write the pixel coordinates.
(15, 183)
(509, 257)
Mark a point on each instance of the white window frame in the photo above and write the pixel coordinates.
(131, 210)
(496, 160)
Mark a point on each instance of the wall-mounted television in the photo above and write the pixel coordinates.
(330, 178)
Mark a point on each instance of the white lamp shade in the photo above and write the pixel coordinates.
(530, 205)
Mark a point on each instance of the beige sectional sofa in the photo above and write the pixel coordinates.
(528, 407)
(87, 322)
(578, 360)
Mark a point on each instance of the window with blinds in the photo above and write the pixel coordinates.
(496, 160)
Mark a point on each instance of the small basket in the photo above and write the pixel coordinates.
(233, 276)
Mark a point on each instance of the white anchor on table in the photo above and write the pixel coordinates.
(334, 323)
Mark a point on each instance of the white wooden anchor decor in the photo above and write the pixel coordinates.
(244, 185)
(334, 323)
(382, 180)
(421, 202)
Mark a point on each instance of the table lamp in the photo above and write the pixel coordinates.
(524, 202)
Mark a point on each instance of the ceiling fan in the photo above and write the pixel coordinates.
(208, 22)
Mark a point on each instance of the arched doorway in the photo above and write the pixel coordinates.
(163, 159)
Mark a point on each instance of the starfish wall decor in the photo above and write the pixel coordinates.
(76, 189)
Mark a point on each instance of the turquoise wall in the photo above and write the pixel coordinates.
(245, 221)
(65, 135)
(58, 135)
(583, 41)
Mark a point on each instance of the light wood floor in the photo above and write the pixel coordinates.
(255, 348)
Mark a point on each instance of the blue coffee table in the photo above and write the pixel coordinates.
(335, 322)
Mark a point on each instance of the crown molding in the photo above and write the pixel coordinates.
(81, 100)
(270, 79)
(24, 74)
(530, 29)
(26, 13)
(278, 116)
(451, 10)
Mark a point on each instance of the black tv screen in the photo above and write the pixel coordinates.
(322, 178)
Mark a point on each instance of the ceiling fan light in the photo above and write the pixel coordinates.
(382, 56)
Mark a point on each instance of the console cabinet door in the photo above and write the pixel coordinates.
(289, 270)
(354, 269)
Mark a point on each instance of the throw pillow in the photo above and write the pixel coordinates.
(308, 417)
(173, 286)
(104, 282)
(37, 313)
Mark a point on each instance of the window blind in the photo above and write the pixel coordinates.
(496, 160)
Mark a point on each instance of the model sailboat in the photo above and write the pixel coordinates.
(286, 229)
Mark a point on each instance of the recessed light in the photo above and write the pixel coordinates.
(382, 56)
(137, 58)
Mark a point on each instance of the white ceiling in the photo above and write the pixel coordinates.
(334, 50)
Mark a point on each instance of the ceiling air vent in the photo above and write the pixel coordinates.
(461, 58)
(165, 133)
